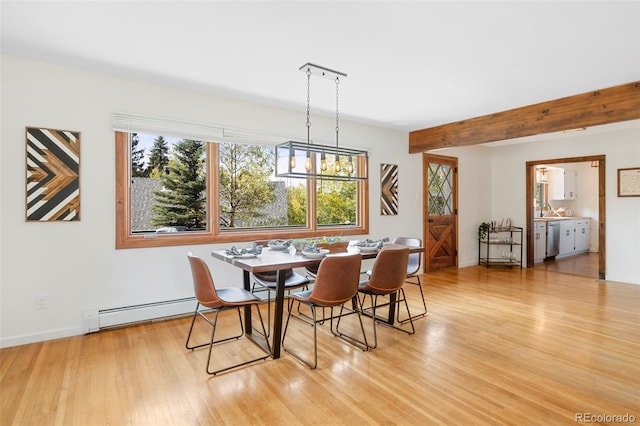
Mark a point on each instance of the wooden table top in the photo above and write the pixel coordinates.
(272, 260)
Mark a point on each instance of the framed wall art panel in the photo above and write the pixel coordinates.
(629, 182)
(53, 175)
(388, 189)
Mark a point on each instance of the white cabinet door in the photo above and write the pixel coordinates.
(540, 241)
(582, 236)
(556, 184)
(567, 237)
(562, 184)
(570, 181)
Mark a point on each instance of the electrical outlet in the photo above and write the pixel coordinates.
(41, 301)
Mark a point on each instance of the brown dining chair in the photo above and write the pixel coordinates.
(413, 270)
(387, 278)
(336, 284)
(218, 300)
(268, 280)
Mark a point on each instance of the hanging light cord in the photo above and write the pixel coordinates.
(308, 123)
(337, 125)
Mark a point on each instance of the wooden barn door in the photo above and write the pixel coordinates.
(440, 195)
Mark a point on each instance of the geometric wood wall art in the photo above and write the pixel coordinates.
(388, 189)
(53, 175)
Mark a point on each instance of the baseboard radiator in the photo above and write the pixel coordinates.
(100, 319)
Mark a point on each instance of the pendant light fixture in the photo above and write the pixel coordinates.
(542, 175)
(315, 155)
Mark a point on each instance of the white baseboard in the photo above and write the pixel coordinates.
(25, 339)
(99, 319)
(115, 317)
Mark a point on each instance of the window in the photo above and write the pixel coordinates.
(541, 200)
(179, 191)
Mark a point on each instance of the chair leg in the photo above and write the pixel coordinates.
(406, 305)
(268, 332)
(302, 359)
(424, 304)
(193, 320)
(362, 344)
(269, 308)
(401, 297)
(213, 323)
(374, 304)
(267, 352)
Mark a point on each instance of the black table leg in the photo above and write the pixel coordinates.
(277, 317)
(247, 310)
(393, 297)
(392, 307)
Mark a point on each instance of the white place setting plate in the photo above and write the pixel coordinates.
(315, 255)
(364, 249)
(245, 256)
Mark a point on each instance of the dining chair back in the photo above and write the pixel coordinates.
(389, 270)
(337, 280)
(218, 300)
(203, 285)
(413, 274)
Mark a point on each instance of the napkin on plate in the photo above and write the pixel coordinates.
(311, 249)
(285, 243)
(372, 243)
(234, 251)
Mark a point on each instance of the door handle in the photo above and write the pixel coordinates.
(430, 220)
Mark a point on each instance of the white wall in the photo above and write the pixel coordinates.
(75, 264)
(77, 267)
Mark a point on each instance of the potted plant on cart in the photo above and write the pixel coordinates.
(483, 229)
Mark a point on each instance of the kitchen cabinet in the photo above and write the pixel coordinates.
(567, 238)
(562, 184)
(539, 241)
(574, 236)
(582, 235)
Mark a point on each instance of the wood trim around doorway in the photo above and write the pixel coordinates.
(602, 229)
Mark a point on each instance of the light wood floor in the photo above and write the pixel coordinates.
(585, 264)
(514, 347)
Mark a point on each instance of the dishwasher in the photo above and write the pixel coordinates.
(553, 239)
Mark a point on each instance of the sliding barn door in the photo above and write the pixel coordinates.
(440, 183)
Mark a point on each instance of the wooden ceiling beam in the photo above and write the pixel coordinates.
(605, 106)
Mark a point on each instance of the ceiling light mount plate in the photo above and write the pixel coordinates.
(317, 70)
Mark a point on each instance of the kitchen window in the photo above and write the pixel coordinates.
(180, 191)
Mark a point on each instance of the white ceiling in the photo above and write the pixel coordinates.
(410, 65)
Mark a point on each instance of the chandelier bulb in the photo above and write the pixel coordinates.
(338, 168)
(323, 162)
(292, 158)
(350, 165)
(307, 162)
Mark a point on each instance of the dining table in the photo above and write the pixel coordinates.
(280, 261)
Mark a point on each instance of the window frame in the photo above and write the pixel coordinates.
(125, 239)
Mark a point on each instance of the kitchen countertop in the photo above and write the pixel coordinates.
(556, 218)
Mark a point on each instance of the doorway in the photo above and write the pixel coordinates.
(597, 161)
(440, 211)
